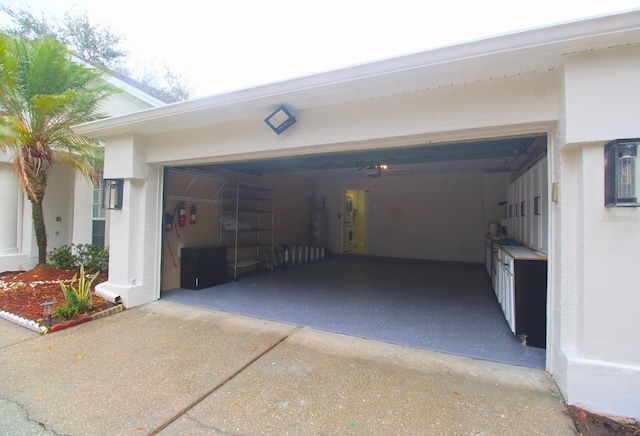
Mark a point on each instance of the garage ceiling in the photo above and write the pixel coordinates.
(501, 154)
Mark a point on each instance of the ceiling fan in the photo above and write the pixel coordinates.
(377, 170)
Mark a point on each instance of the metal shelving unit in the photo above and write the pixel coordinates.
(247, 219)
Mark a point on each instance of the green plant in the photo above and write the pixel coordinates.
(93, 257)
(66, 312)
(63, 258)
(81, 296)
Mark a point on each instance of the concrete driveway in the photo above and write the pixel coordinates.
(167, 368)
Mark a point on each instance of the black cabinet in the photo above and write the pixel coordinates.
(203, 266)
(531, 301)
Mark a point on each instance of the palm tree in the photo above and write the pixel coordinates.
(43, 93)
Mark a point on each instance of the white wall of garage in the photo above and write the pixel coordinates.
(595, 355)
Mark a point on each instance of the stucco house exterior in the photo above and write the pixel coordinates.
(72, 204)
(565, 90)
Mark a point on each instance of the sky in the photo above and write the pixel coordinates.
(220, 46)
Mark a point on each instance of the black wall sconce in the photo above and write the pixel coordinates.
(621, 185)
(280, 120)
(112, 193)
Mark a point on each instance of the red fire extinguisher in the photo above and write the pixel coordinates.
(182, 216)
(193, 214)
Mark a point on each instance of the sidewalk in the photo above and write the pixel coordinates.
(173, 369)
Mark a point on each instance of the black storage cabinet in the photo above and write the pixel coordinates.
(203, 266)
(531, 301)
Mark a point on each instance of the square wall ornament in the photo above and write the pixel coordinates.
(280, 119)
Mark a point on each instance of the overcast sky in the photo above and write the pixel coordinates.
(220, 46)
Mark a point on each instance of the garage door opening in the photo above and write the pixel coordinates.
(436, 214)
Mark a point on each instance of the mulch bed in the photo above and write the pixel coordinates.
(591, 424)
(22, 293)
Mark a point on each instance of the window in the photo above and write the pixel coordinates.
(98, 217)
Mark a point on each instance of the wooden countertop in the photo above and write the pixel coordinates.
(519, 252)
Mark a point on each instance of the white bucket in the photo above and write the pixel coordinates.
(493, 229)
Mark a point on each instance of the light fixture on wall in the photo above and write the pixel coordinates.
(280, 119)
(621, 173)
(112, 193)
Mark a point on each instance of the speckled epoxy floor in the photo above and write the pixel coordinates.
(445, 308)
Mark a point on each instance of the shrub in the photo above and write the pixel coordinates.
(66, 312)
(63, 258)
(93, 257)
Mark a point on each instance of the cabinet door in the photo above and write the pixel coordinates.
(516, 206)
(509, 211)
(487, 256)
(525, 208)
(535, 210)
(544, 206)
(509, 292)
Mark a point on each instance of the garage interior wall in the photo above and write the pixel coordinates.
(440, 217)
(294, 200)
(421, 216)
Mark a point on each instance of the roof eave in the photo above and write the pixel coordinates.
(566, 38)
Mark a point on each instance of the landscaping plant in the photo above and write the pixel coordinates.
(93, 257)
(79, 297)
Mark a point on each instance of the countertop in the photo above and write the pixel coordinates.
(518, 252)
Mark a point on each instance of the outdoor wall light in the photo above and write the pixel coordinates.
(621, 173)
(280, 120)
(112, 193)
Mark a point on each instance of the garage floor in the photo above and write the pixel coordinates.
(436, 307)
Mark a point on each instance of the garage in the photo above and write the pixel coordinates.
(549, 100)
(388, 244)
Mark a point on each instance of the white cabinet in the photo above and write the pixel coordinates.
(488, 255)
(507, 289)
(543, 226)
(527, 207)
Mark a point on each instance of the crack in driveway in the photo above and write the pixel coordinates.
(224, 382)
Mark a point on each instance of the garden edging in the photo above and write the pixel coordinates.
(43, 329)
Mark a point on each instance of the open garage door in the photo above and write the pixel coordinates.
(441, 222)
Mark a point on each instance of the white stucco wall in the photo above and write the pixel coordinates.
(9, 196)
(497, 108)
(58, 206)
(597, 359)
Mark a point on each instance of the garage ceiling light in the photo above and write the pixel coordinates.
(280, 120)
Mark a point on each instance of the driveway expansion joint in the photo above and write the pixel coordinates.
(225, 381)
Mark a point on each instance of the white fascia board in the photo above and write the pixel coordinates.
(596, 33)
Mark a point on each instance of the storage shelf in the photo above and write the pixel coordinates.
(255, 204)
(247, 230)
(246, 263)
(241, 210)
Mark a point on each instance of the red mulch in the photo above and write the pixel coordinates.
(22, 292)
(591, 424)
